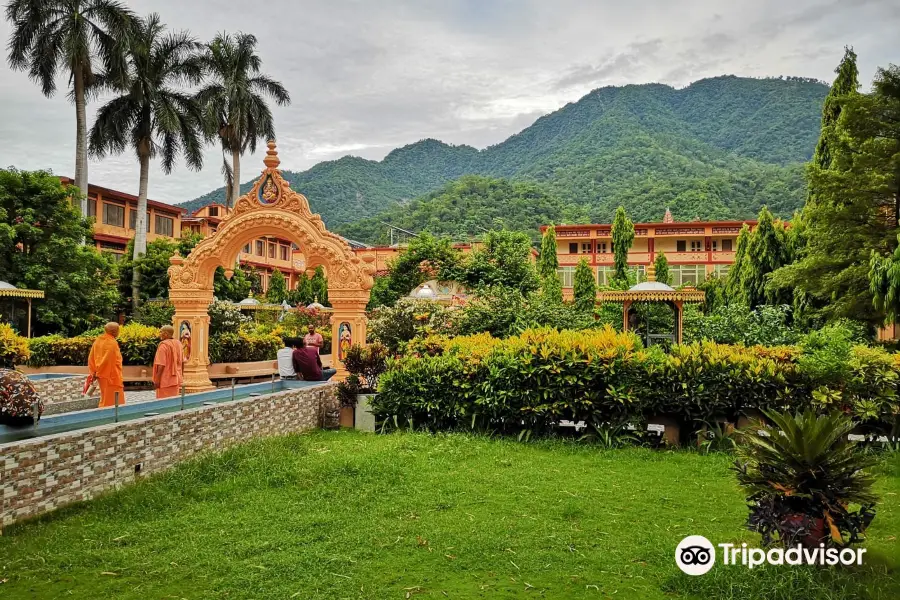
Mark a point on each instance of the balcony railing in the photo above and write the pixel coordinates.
(723, 256)
(687, 257)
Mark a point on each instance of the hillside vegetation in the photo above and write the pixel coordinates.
(719, 148)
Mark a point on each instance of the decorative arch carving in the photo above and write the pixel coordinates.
(271, 207)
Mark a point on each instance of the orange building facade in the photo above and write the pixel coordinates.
(696, 250)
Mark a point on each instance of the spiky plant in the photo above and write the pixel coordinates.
(802, 476)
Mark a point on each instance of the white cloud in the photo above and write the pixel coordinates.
(366, 77)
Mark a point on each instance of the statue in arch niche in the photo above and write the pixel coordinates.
(271, 207)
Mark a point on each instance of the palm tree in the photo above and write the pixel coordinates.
(152, 116)
(75, 37)
(234, 106)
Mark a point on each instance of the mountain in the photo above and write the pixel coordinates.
(719, 148)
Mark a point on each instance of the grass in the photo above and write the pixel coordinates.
(345, 515)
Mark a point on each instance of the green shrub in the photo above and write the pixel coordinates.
(244, 347)
(225, 317)
(531, 381)
(154, 314)
(13, 347)
(138, 344)
(395, 325)
(42, 350)
(71, 351)
(737, 324)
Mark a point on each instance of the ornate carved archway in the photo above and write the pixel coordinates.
(270, 208)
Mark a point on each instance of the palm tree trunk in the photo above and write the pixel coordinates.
(235, 177)
(81, 162)
(141, 226)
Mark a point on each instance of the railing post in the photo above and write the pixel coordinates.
(117, 406)
(273, 383)
(182, 396)
(232, 389)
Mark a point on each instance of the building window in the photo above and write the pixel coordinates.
(605, 275)
(639, 272)
(132, 219)
(165, 226)
(573, 247)
(92, 207)
(214, 211)
(284, 252)
(715, 245)
(721, 271)
(272, 250)
(726, 245)
(687, 274)
(247, 248)
(585, 247)
(260, 248)
(680, 246)
(567, 276)
(113, 214)
(696, 246)
(601, 247)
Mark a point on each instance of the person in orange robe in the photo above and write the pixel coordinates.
(168, 371)
(105, 364)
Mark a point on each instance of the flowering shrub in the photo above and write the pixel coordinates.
(531, 381)
(225, 317)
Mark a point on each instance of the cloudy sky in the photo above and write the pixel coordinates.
(366, 76)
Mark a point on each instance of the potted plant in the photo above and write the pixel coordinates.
(802, 475)
(365, 364)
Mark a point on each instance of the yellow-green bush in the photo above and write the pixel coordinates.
(13, 347)
(533, 380)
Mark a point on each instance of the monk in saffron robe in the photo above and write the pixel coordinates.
(168, 372)
(105, 364)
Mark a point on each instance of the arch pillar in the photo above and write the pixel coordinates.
(348, 327)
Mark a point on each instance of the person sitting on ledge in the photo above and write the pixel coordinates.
(307, 363)
(285, 359)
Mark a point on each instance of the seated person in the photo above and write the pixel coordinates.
(19, 401)
(307, 363)
(285, 363)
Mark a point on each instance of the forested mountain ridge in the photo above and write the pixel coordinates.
(719, 148)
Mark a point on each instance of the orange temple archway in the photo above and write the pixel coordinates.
(270, 208)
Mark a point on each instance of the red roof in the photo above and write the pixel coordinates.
(126, 196)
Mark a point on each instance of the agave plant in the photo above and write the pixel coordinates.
(802, 477)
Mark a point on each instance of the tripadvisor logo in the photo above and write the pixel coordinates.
(696, 555)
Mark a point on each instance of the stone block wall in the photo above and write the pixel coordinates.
(42, 474)
(60, 390)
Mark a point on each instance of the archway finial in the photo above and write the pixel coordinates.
(271, 160)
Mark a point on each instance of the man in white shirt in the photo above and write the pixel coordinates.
(285, 362)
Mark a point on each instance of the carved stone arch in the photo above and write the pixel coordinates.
(271, 207)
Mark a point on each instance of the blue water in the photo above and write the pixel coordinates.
(46, 376)
(102, 416)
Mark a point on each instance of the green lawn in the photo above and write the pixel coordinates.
(345, 515)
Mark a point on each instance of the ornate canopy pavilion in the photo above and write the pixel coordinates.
(7, 290)
(653, 291)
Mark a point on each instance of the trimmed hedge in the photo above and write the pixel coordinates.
(244, 347)
(13, 347)
(531, 381)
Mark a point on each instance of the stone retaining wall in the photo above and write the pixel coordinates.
(43, 474)
(61, 389)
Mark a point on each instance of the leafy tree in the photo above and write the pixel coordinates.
(845, 84)
(661, 267)
(548, 263)
(622, 238)
(75, 37)
(233, 101)
(303, 292)
(277, 291)
(424, 257)
(504, 258)
(40, 248)
(766, 252)
(151, 115)
(584, 287)
(734, 287)
(235, 289)
(551, 289)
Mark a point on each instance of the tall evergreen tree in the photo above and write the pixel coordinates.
(319, 285)
(846, 83)
(584, 287)
(766, 252)
(548, 263)
(75, 37)
(661, 267)
(622, 238)
(734, 287)
(277, 291)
